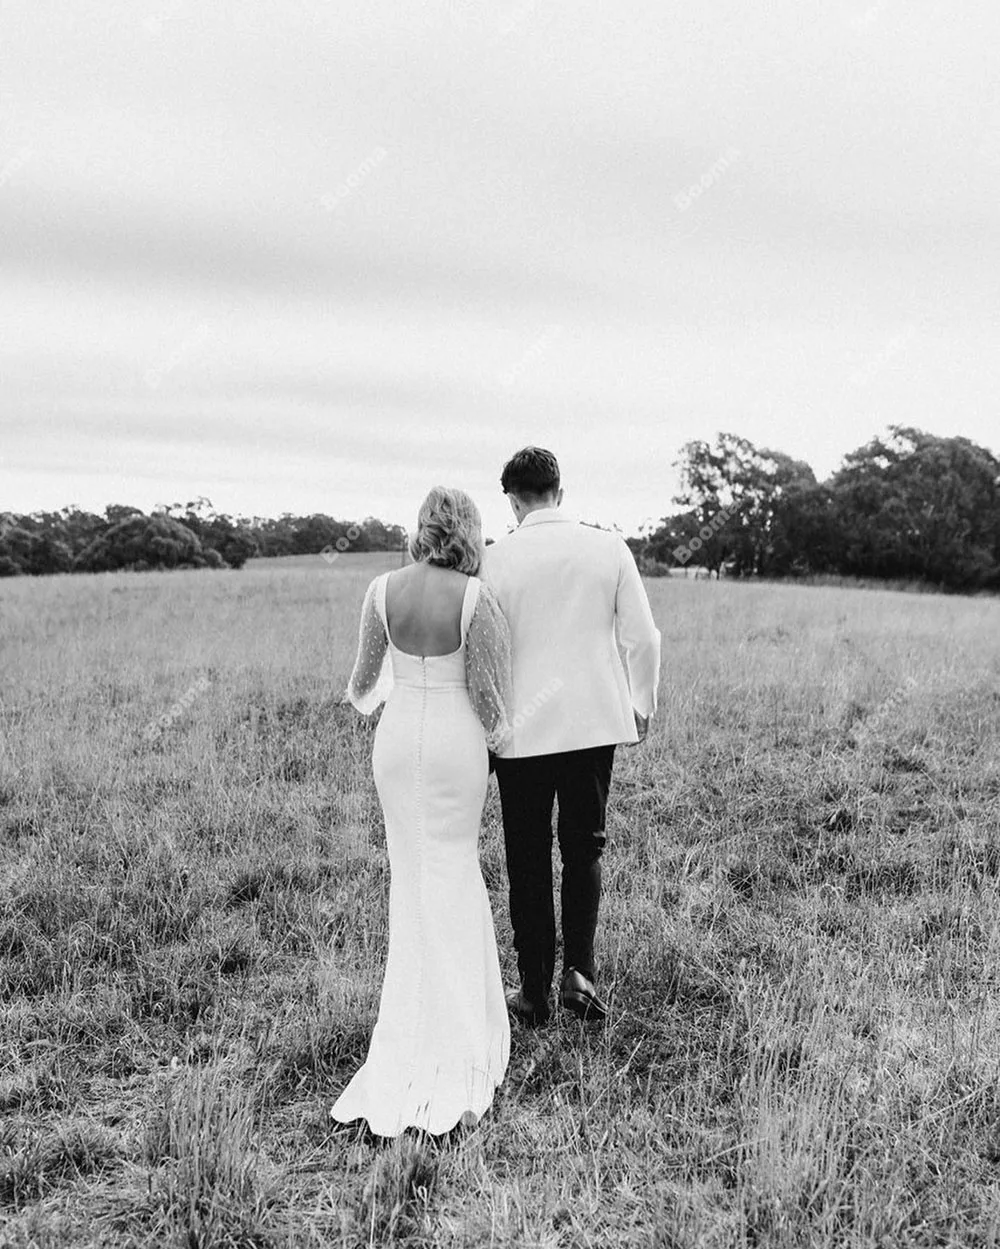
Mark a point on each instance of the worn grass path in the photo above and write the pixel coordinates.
(799, 933)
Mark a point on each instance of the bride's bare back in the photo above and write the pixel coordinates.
(423, 608)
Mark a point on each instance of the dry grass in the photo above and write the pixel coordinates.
(799, 934)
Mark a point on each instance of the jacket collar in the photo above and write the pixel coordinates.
(542, 515)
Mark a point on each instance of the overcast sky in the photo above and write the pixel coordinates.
(319, 257)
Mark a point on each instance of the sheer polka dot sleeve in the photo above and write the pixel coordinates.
(487, 668)
(371, 679)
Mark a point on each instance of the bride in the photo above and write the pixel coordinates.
(435, 647)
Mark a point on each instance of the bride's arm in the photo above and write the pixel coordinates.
(371, 678)
(487, 668)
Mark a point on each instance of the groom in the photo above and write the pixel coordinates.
(565, 589)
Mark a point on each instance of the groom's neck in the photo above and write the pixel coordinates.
(540, 505)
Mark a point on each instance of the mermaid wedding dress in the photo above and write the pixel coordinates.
(441, 1041)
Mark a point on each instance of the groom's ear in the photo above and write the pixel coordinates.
(559, 496)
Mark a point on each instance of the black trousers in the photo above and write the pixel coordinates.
(580, 780)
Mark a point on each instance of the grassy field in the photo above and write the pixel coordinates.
(799, 933)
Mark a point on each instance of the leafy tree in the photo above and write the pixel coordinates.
(33, 552)
(142, 542)
(669, 542)
(732, 495)
(910, 505)
(782, 495)
(806, 534)
(76, 527)
(19, 547)
(378, 536)
(308, 535)
(233, 540)
(275, 537)
(918, 506)
(312, 533)
(907, 505)
(72, 539)
(70, 529)
(114, 512)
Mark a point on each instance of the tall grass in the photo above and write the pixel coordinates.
(799, 933)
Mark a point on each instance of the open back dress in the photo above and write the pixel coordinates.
(441, 1041)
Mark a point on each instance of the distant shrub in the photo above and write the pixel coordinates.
(22, 551)
(213, 559)
(145, 542)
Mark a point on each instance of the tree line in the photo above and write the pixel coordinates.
(178, 535)
(908, 506)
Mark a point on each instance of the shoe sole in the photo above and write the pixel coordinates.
(583, 1007)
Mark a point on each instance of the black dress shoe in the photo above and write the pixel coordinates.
(579, 995)
(524, 1009)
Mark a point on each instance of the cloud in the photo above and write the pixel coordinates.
(184, 160)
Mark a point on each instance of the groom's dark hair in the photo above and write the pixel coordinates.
(531, 473)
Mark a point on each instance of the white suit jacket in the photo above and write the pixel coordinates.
(565, 588)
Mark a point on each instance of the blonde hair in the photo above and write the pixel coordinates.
(449, 531)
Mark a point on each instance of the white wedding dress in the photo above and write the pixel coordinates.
(441, 1041)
